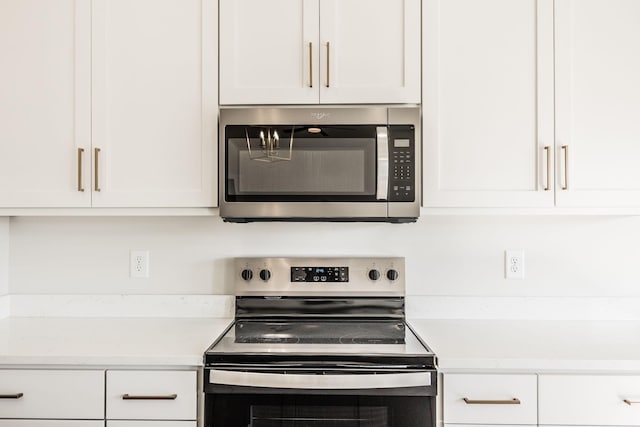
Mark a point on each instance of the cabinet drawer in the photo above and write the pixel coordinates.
(589, 399)
(152, 423)
(50, 423)
(52, 394)
(490, 399)
(152, 395)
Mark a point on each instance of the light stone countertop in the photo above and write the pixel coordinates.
(107, 341)
(535, 346)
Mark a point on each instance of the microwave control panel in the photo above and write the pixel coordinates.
(402, 164)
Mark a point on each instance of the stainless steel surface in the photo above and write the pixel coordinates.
(312, 381)
(565, 149)
(513, 401)
(328, 67)
(96, 163)
(382, 140)
(80, 155)
(548, 183)
(310, 64)
(11, 396)
(320, 115)
(280, 282)
(149, 397)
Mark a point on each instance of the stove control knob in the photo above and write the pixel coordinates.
(247, 274)
(374, 274)
(392, 274)
(265, 274)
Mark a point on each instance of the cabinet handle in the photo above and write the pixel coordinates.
(310, 64)
(513, 401)
(11, 396)
(565, 148)
(548, 150)
(96, 162)
(631, 402)
(80, 155)
(328, 56)
(145, 397)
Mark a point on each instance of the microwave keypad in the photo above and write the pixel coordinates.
(402, 175)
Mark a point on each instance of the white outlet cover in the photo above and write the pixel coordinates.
(139, 264)
(514, 264)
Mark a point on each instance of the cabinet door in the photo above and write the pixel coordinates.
(154, 103)
(269, 51)
(598, 102)
(488, 103)
(370, 51)
(45, 91)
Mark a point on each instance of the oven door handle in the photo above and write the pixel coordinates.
(319, 381)
(382, 141)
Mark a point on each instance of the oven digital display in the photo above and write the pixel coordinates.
(319, 274)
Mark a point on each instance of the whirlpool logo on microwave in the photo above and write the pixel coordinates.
(319, 115)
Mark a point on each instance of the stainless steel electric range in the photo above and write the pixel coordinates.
(319, 342)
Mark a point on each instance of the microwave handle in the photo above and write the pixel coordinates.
(382, 141)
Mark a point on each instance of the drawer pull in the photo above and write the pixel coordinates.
(513, 401)
(144, 397)
(11, 396)
(631, 402)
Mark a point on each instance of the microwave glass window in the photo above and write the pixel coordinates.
(324, 166)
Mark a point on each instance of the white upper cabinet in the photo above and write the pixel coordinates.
(319, 51)
(598, 102)
(488, 103)
(45, 100)
(154, 103)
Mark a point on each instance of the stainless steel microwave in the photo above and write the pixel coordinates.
(311, 163)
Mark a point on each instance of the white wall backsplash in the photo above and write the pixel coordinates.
(576, 256)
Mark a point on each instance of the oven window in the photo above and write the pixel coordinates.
(317, 410)
(321, 416)
(335, 164)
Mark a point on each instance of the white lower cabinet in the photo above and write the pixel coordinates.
(51, 394)
(170, 396)
(602, 400)
(50, 423)
(490, 399)
(151, 423)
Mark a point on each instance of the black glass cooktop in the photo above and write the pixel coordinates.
(320, 332)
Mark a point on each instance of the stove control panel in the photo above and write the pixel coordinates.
(320, 276)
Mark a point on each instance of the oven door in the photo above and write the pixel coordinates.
(328, 398)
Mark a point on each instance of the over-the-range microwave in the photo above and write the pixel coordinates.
(310, 163)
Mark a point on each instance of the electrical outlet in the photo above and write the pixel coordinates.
(514, 264)
(139, 265)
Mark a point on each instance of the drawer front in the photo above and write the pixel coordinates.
(52, 394)
(489, 399)
(50, 423)
(590, 399)
(151, 423)
(149, 395)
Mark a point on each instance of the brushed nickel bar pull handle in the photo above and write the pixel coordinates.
(513, 401)
(80, 155)
(631, 402)
(548, 150)
(11, 396)
(145, 397)
(328, 56)
(96, 162)
(310, 64)
(565, 148)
